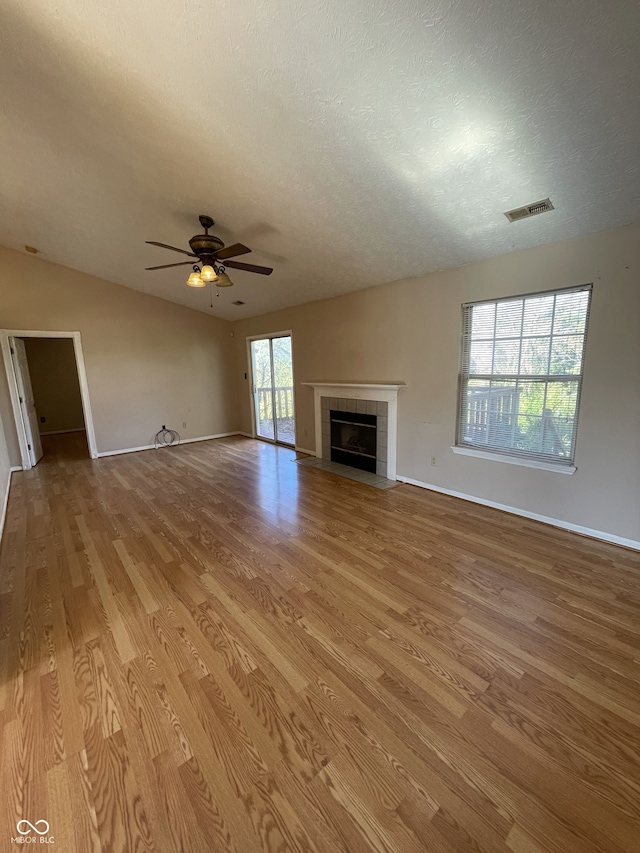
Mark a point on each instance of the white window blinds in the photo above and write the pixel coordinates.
(521, 374)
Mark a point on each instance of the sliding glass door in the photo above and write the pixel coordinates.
(272, 372)
(263, 388)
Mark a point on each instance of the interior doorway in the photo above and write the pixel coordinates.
(48, 389)
(272, 377)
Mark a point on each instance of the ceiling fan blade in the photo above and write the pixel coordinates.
(248, 267)
(231, 251)
(166, 266)
(173, 248)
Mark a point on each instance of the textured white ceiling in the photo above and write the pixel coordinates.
(347, 142)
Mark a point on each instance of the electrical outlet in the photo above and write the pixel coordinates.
(433, 460)
(184, 424)
(43, 420)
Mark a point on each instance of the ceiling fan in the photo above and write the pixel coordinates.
(211, 253)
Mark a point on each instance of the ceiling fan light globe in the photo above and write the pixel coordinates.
(223, 280)
(195, 280)
(208, 273)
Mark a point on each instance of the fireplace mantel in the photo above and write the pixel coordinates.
(389, 386)
(384, 392)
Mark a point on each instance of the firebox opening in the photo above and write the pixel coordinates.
(353, 440)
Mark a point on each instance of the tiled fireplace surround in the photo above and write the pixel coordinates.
(379, 398)
(360, 407)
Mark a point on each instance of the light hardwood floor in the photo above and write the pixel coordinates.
(211, 648)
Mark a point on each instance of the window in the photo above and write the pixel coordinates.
(521, 374)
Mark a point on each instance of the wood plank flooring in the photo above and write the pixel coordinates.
(211, 648)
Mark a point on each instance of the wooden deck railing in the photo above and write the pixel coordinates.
(492, 419)
(492, 415)
(283, 402)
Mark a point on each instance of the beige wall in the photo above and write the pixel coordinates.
(409, 331)
(148, 361)
(54, 380)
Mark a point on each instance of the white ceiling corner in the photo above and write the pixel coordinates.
(347, 142)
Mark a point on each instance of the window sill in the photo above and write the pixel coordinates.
(557, 468)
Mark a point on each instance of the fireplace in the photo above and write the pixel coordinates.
(371, 403)
(354, 433)
(353, 439)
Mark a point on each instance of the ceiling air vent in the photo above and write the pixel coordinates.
(530, 210)
(238, 302)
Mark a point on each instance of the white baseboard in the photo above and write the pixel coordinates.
(63, 431)
(153, 446)
(208, 437)
(304, 450)
(102, 453)
(534, 516)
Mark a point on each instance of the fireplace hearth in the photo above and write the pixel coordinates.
(353, 439)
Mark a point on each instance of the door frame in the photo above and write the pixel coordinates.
(285, 334)
(28, 411)
(5, 334)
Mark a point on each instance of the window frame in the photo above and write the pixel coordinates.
(517, 456)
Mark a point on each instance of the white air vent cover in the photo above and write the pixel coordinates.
(530, 210)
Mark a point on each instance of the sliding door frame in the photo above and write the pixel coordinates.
(252, 398)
